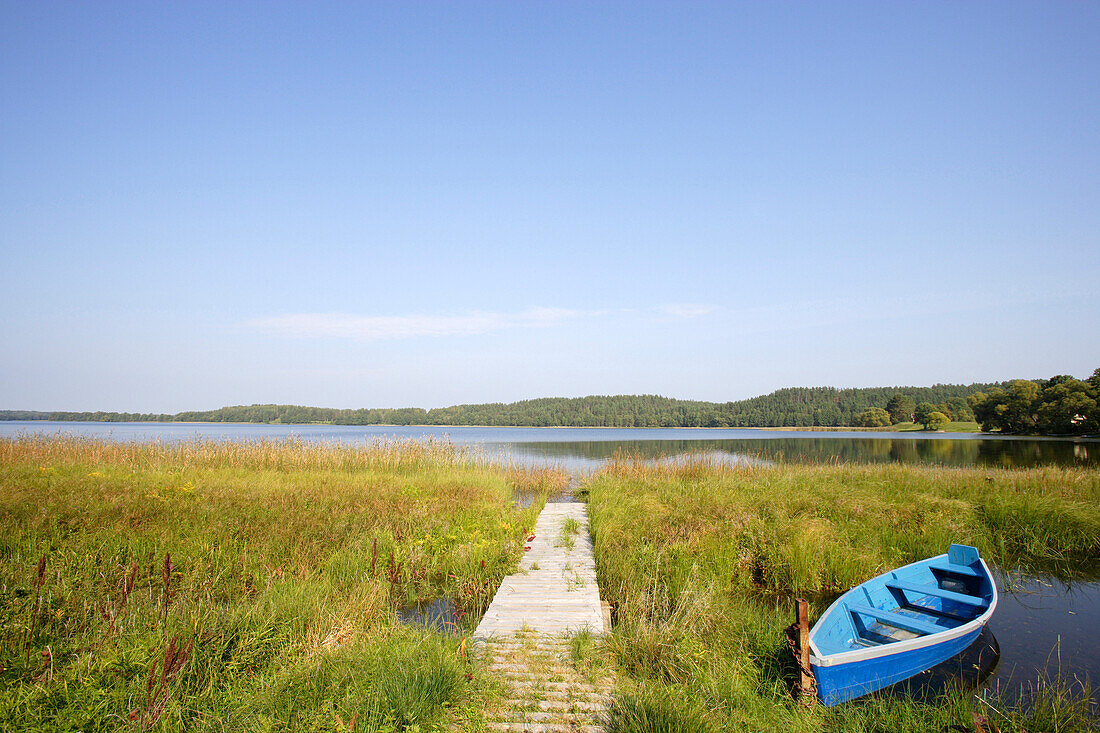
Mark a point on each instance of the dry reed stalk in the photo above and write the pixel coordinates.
(128, 588)
(39, 582)
(157, 686)
(114, 616)
(982, 724)
(393, 572)
(281, 455)
(166, 576)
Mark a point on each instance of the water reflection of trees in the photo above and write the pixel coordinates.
(947, 452)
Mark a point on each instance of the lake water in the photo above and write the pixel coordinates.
(1043, 630)
(584, 449)
(1045, 626)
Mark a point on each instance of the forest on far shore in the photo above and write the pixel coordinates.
(1060, 405)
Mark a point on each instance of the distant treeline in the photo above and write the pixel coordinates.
(793, 407)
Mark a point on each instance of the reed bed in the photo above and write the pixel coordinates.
(208, 585)
(290, 454)
(701, 561)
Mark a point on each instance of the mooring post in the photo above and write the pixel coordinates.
(806, 680)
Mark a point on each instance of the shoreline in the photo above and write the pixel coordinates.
(907, 429)
(787, 428)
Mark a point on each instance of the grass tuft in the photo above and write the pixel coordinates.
(570, 527)
(652, 708)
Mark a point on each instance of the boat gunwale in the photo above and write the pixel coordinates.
(898, 647)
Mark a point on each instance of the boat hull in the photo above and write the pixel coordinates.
(843, 682)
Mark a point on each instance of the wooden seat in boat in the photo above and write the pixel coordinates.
(901, 621)
(931, 590)
(949, 567)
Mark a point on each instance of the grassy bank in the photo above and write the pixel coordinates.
(701, 562)
(244, 586)
(901, 427)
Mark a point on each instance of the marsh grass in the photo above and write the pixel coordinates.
(650, 708)
(589, 655)
(821, 529)
(276, 565)
(581, 645)
(701, 562)
(1044, 704)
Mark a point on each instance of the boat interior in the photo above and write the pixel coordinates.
(917, 600)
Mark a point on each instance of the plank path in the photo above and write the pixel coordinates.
(524, 635)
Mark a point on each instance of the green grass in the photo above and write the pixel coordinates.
(569, 530)
(286, 563)
(650, 708)
(701, 563)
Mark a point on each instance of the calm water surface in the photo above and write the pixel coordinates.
(1043, 629)
(1046, 626)
(584, 449)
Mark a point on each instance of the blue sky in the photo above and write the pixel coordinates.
(389, 204)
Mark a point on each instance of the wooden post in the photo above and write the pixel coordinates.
(806, 680)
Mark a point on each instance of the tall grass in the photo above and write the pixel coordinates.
(820, 529)
(653, 708)
(701, 562)
(280, 563)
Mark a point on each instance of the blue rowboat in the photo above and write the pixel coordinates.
(901, 623)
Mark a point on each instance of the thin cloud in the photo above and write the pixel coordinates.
(847, 311)
(372, 328)
(687, 310)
